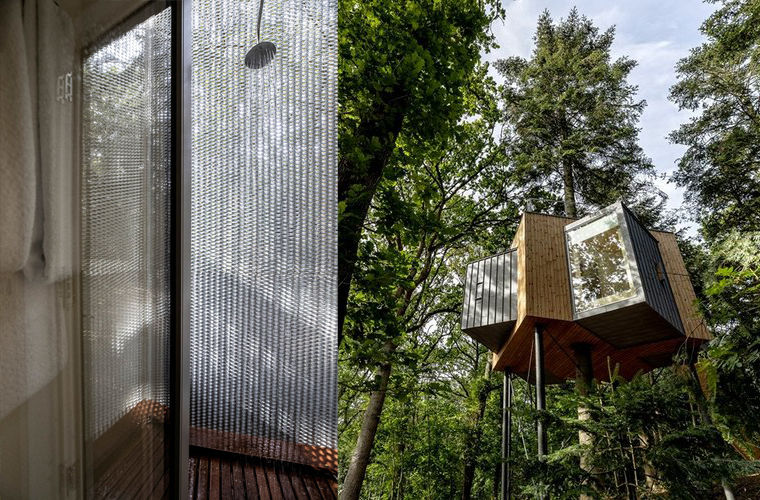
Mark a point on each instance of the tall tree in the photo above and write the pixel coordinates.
(442, 199)
(402, 67)
(720, 81)
(573, 117)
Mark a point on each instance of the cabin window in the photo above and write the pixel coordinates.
(600, 267)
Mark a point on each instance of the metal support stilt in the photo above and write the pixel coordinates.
(506, 435)
(540, 390)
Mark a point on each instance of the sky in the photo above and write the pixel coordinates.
(655, 33)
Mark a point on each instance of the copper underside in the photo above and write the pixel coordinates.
(518, 355)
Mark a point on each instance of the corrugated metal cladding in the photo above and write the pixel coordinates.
(263, 341)
(490, 298)
(654, 279)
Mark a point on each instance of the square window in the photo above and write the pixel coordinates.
(601, 268)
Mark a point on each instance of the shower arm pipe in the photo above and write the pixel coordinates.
(258, 22)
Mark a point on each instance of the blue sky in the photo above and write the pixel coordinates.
(654, 33)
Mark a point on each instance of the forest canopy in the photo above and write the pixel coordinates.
(438, 159)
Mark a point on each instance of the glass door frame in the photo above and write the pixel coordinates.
(179, 230)
(179, 380)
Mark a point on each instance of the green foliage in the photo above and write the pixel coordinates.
(404, 70)
(721, 173)
(720, 82)
(732, 362)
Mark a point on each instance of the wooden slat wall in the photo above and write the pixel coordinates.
(544, 281)
(683, 292)
(519, 244)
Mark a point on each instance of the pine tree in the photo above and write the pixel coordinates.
(573, 118)
(721, 81)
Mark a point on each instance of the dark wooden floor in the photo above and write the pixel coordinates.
(129, 458)
(129, 462)
(220, 476)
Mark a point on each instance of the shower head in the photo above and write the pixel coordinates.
(260, 55)
(263, 52)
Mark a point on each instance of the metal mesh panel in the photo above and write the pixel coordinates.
(264, 228)
(126, 151)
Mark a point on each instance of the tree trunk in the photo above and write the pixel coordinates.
(650, 473)
(584, 377)
(357, 184)
(568, 183)
(472, 442)
(357, 469)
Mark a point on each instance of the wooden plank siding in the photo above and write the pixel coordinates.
(544, 297)
(545, 282)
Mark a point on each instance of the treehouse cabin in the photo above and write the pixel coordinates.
(603, 283)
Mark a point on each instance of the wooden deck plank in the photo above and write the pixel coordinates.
(202, 493)
(213, 478)
(312, 488)
(275, 491)
(324, 487)
(226, 478)
(241, 477)
(163, 483)
(106, 473)
(162, 489)
(298, 485)
(238, 481)
(251, 487)
(285, 484)
(261, 479)
(193, 473)
(125, 470)
(144, 489)
(145, 472)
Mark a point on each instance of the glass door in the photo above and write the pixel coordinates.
(93, 162)
(126, 257)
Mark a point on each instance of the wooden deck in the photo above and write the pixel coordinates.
(216, 475)
(130, 461)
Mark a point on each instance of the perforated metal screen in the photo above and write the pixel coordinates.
(264, 222)
(125, 236)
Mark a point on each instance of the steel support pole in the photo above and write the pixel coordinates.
(506, 434)
(179, 376)
(540, 389)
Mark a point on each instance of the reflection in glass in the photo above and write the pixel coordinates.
(599, 264)
(125, 259)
